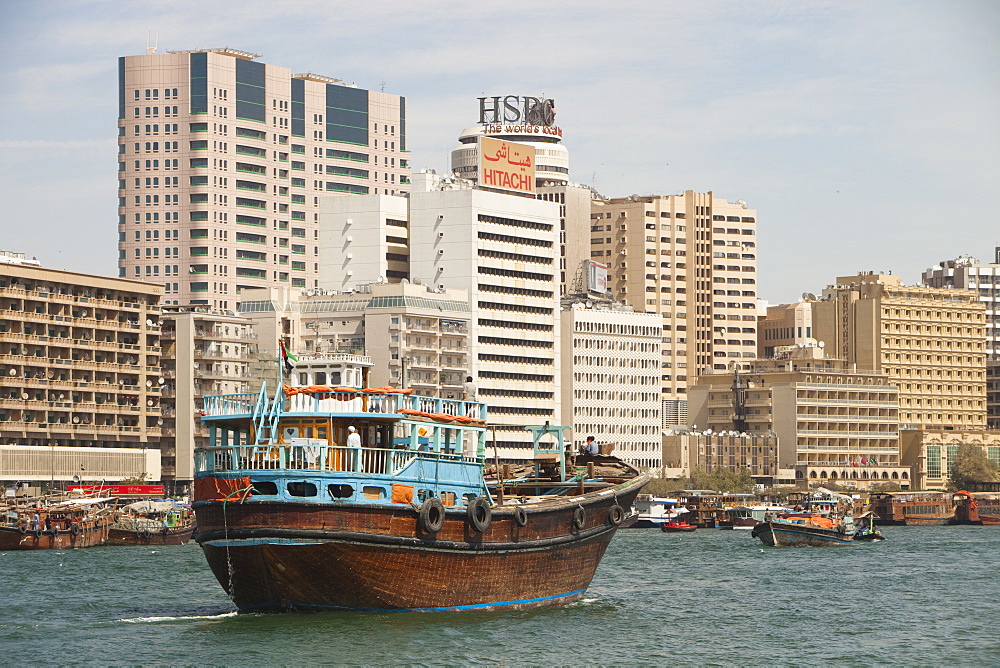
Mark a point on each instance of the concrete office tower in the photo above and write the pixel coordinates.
(205, 352)
(930, 341)
(531, 120)
(501, 249)
(79, 370)
(364, 239)
(410, 335)
(968, 273)
(834, 424)
(611, 378)
(223, 161)
(691, 258)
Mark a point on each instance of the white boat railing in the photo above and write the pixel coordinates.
(344, 402)
(319, 458)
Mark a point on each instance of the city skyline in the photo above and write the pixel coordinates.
(835, 129)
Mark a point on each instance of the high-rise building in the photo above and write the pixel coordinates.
(785, 325)
(223, 161)
(79, 370)
(968, 273)
(930, 341)
(503, 250)
(691, 258)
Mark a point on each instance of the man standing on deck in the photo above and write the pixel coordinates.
(354, 445)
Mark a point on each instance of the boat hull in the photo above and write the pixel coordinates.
(172, 536)
(785, 534)
(292, 557)
(13, 539)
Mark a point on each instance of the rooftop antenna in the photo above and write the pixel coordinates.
(150, 50)
(382, 84)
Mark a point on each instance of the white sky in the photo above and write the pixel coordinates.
(865, 134)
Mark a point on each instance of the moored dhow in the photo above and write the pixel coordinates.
(324, 497)
(56, 524)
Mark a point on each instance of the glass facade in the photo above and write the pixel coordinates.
(250, 103)
(933, 461)
(347, 115)
(298, 108)
(199, 83)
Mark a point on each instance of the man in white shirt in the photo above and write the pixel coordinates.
(354, 443)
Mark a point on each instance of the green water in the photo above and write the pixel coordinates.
(925, 597)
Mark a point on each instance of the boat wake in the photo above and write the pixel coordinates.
(178, 618)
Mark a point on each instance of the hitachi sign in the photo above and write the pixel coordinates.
(517, 109)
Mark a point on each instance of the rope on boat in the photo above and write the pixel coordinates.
(245, 490)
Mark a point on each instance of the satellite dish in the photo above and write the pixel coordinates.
(76, 420)
(83, 312)
(76, 478)
(24, 395)
(192, 270)
(159, 423)
(809, 297)
(149, 402)
(149, 323)
(61, 396)
(822, 344)
(12, 372)
(149, 383)
(310, 293)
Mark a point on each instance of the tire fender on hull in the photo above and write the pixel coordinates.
(431, 515)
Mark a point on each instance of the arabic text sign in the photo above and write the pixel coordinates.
(506, 165)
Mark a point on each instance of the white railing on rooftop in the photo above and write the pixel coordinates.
(346, 402)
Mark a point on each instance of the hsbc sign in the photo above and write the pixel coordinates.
(517, 109)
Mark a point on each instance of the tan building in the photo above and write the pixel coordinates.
(968, 273)
(691, 258)
(223, 161)
(784, 325)
(610, 368)
(79, 365)
(932, 452)
(930, 341)
(416, 336)
(833, 423)
(728, 450)
(205, 353)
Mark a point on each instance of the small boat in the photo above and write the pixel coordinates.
(912, 509)
(746, 517)
(652, 511)
(49, 524)
(152, 523)
(866, 531)
(674, 526)
(827, 521)
(376, 499)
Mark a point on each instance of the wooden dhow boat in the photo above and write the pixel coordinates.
(50, 524)
(375, 500)
(152, 523)
(827, 521)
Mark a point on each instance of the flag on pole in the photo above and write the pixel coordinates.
(287, 359)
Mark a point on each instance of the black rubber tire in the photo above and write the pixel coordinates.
(616, 515)
(38, 533)
(480, 514)
(23, 530)
(75, 529)
(431, 515)
(579, 518)
(520, 517)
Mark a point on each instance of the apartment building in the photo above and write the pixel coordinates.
(932, 452)
(79, 371)
(411, 335)
(968, 273)
(222, 163)
(205, 352)
(692, 259)
(832, 422)
(610, 368)
(930, 341)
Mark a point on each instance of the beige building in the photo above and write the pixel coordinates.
(727, 450)
(205, 352)
(784, 325)
(79, 370)
(929, 341)
(416, 336)
(833, 423)
(223, 161)
(968, 273)
(692, 259)
(610, 367)
(932, 452)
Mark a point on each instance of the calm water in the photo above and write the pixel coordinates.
(926, 597)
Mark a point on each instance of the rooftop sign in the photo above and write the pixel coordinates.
(506, 165)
